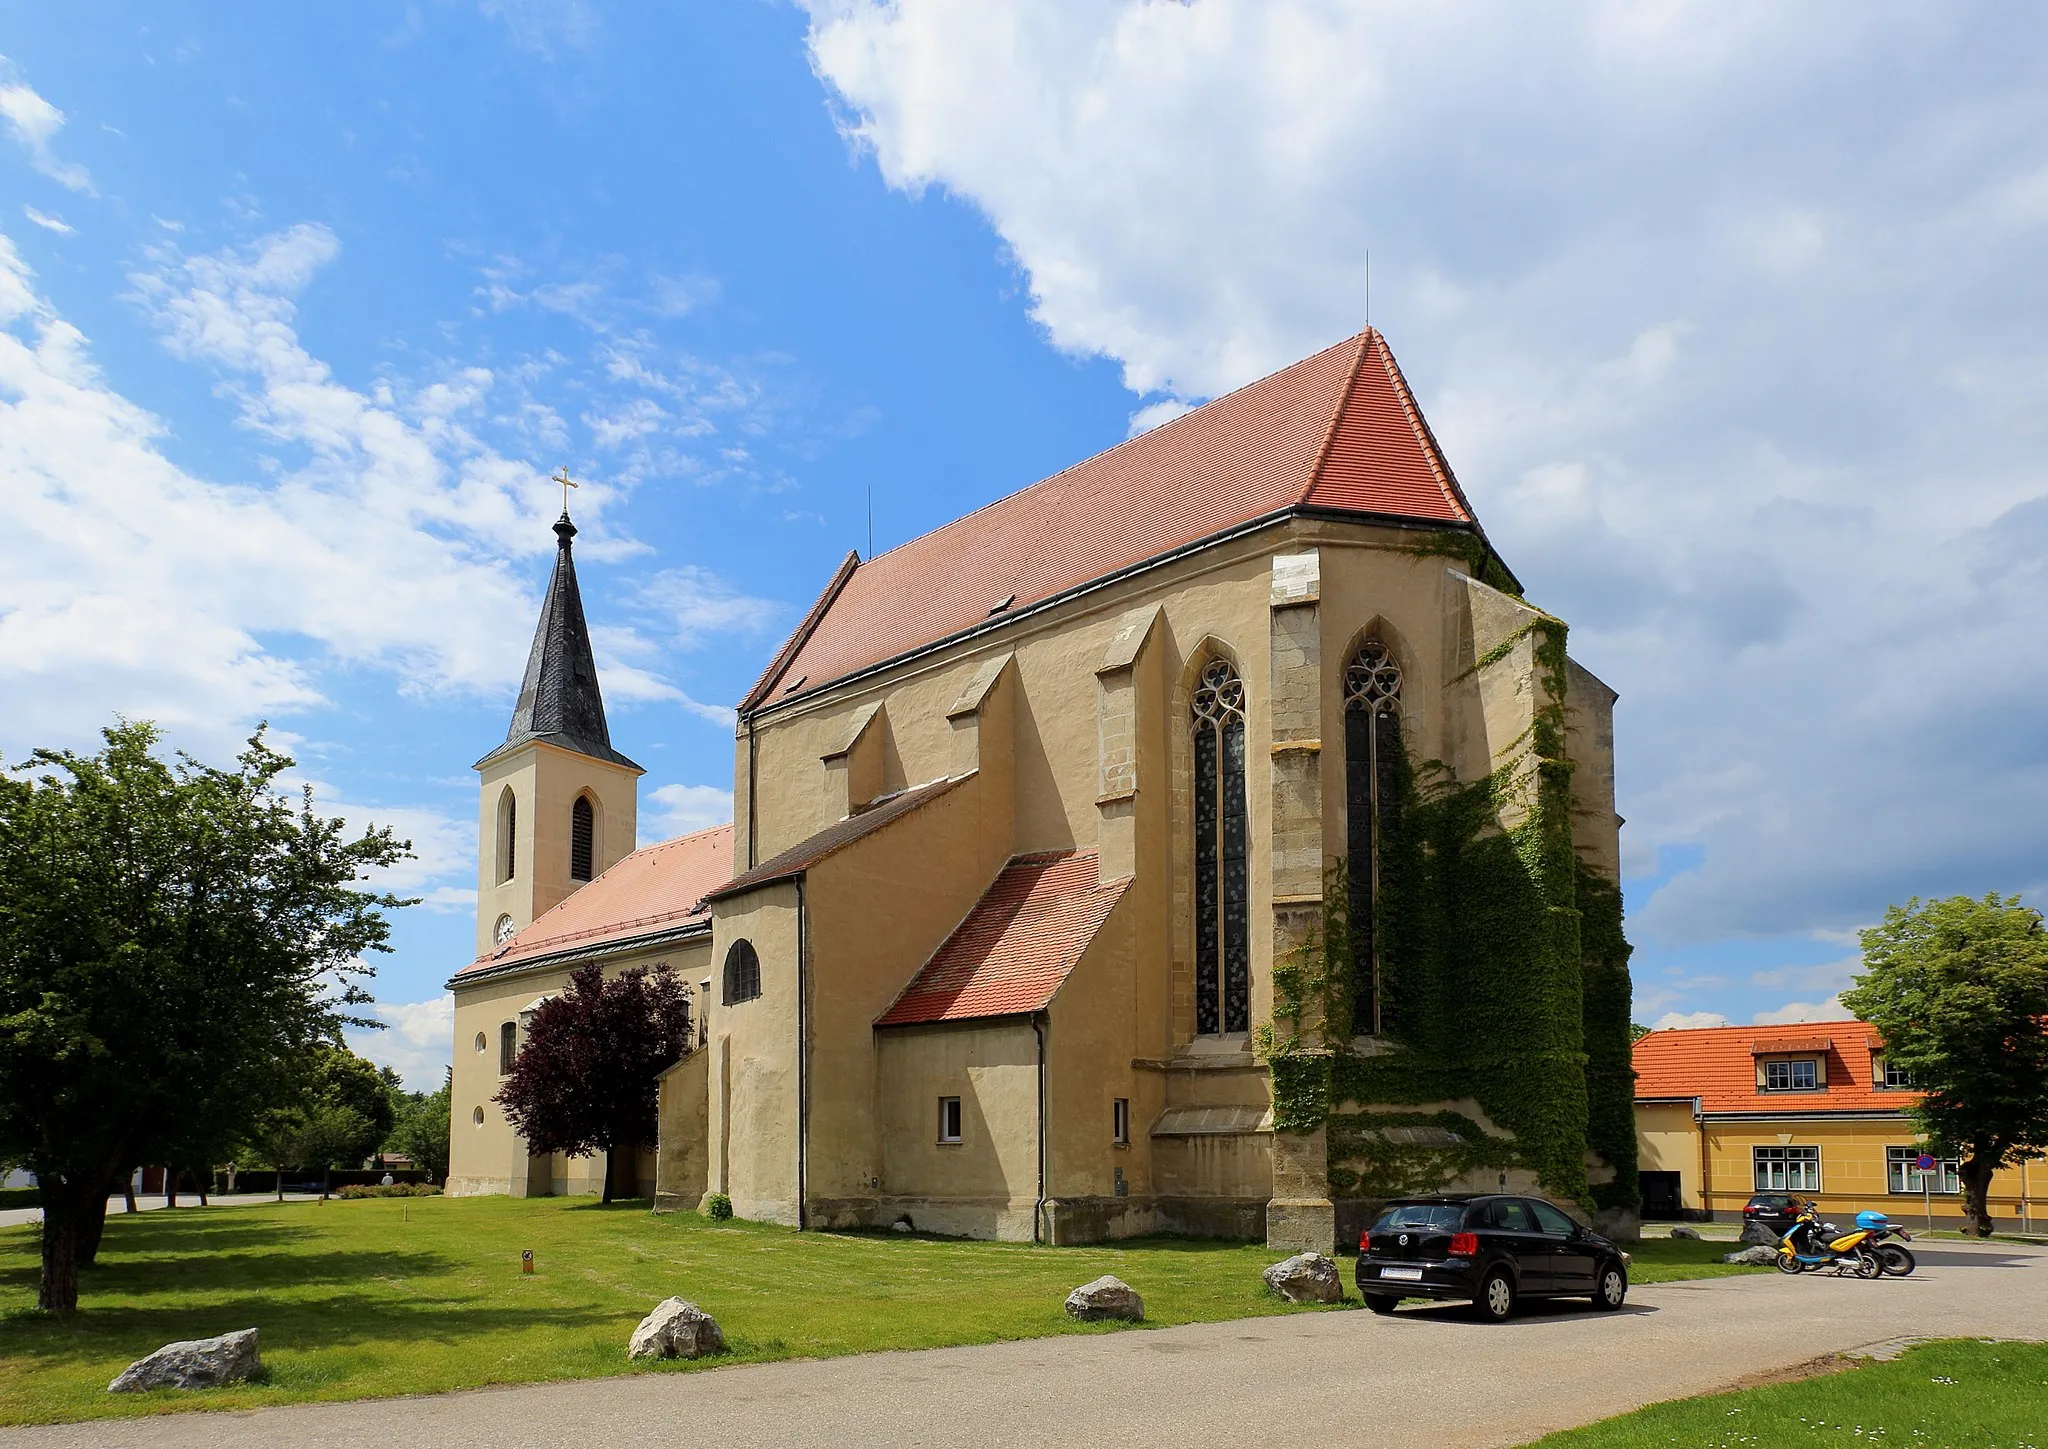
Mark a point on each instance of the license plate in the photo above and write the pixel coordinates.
(1402, 1275)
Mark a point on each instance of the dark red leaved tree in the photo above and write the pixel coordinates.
(584, 1081)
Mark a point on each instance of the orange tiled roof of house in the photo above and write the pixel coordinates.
(1718, 1065)
(1017, 945)
(1337, 431)
(657, 888)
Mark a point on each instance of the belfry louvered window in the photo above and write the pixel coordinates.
(1372, 778)
(508, 834)
(582, 838)
(1222, 873)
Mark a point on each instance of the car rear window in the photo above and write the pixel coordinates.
(1442, 1217)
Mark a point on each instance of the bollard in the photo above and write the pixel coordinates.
(526, 1261)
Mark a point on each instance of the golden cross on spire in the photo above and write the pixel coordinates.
(562, 477)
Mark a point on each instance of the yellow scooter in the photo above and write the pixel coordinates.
(1810, 1245)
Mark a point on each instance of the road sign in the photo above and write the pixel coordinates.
(1924, 1163)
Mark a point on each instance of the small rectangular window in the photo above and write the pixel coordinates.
(1897, 1078)
(508, 1047)
(1790, 1077)
(949, 1119)
(1787, 1169)
(1120, 1121)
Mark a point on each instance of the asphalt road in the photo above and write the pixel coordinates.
(1428, 1375)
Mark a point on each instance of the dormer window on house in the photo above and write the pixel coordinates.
(1793, 1076)
(1896, 1079)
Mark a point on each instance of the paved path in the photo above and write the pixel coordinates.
(14, 1217)
(1426, 1376)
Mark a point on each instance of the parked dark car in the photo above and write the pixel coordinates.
(1774, 1210)
(1493, 1250)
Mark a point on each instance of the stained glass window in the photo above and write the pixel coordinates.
(1372, 756)
(1222, 849)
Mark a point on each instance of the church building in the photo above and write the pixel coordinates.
(1209, 838)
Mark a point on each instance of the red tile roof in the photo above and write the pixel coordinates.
(656, 889)
(1718, 1065)
(1016, 946)
(837, 836)
(1337, 431)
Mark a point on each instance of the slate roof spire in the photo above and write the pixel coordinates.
(559, 702)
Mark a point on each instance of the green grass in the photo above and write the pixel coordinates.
(372, 1298)
(1955, 1394)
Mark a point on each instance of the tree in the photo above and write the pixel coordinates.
(585, 1080)
(421, 1132)
(1958, 989)
(172, 937)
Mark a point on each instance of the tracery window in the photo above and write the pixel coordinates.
(1372, 801)
(1222, 868)
(582, 838)
(742, 973)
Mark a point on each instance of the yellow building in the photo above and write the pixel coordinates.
(1725, 1112)
(1048, 828)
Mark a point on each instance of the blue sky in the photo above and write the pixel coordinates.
(1730, 317)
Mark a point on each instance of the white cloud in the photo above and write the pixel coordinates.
(692, 605)
(1793, 1012)
(1153, 414)
(47, 222)
(1688, 1020)
(33, 122)
(417, 1039)
(1741, 364)
(680, 809)
(544, 26)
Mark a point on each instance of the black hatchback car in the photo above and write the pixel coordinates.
(1493, 1250)
(1774, 1211)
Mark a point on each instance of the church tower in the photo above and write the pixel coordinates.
(558, 804)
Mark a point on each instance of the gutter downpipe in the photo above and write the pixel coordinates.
(1699, 1116)
(752, 781)
(1038, 1208)
(803, 1054)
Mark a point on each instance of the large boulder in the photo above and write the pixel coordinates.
(1756, 1232)
(197, 1363)
(1106, 1297)
(676, 1328)
(1755, 1254)
(1306, 1278)
(1691, 1235)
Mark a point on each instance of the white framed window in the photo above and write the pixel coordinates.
(1794, 1076)
(1903, 1175)
(1120, 1121)
(949, 1119)
(1896, 1078)
(1787, 1169)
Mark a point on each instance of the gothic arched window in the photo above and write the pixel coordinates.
(1222, 843)
(582, 838)
(742, 973)
(508, 834)
(1372, 782)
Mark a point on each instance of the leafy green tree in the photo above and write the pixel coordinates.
(421, 1132)
(172, 937)
(1958, 989)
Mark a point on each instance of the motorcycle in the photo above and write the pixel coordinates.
(1894, 1258)
(1810, 1245)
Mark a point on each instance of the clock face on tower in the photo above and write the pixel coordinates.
(504, 930)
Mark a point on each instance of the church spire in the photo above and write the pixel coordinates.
(559, 702)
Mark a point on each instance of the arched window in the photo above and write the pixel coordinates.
(742, 973)
(508, 1047)
(582, 838)
(1222, 842)
(508, 834)
(1372, 800)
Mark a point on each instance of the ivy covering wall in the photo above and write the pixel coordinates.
(1505, 980)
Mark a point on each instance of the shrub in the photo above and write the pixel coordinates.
(718, 1207)
(397, 1189)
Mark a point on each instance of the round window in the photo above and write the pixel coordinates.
(477, 1117)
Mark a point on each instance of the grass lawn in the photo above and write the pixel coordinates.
(363, 1299)
(1955, 1394)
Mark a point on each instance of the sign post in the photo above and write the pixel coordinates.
(1926, 1165)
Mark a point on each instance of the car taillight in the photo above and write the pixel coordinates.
(1365, 1243)
(1464, 1245)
